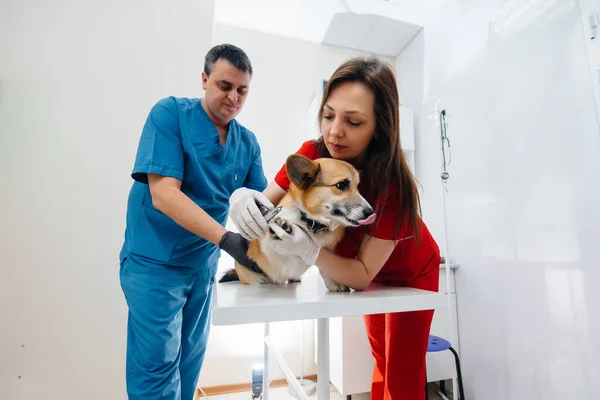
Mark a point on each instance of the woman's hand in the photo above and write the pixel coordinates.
(298, 243)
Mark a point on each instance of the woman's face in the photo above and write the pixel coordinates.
(349, 121)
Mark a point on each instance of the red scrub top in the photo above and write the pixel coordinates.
(409, 259)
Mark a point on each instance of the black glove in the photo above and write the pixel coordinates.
(237, 247)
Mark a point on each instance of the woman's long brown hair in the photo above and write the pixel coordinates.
(386, 163)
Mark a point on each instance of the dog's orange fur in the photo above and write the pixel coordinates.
(312, 189)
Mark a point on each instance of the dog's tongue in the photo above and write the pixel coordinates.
(369, 220)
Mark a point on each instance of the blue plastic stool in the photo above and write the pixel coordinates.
(437, 344)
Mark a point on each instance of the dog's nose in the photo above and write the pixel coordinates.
(368, 216)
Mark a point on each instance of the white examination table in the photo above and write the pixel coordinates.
(236, 304)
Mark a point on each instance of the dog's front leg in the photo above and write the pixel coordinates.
(283, 224)
(333, 285)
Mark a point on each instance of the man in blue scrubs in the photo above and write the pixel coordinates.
(192, 155)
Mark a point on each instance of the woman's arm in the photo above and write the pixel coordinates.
(357, 273)
(274, 193)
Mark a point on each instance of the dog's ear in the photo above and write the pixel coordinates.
(302, 171)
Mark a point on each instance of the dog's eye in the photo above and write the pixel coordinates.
(343, 185)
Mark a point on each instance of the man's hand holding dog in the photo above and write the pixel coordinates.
(237, 247)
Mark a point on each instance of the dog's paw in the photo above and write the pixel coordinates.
(333, 286)
(336, 287)
(286, 226)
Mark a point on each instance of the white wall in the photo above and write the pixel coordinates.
(410, 69)
(77, 79)
(286, 73)
(523, 200)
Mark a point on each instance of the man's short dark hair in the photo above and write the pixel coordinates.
(236, 56)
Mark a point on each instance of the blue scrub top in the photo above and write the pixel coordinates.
(179, 140)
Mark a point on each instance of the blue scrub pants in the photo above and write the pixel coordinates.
(167, 330)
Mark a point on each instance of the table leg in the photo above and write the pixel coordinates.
(265, 393)
(323, 391)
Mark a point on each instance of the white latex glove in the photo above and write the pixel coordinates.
(296, 244)
(245, 214)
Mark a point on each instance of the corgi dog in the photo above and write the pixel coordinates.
(323, 199)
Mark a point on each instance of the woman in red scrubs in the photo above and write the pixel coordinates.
(359, 118)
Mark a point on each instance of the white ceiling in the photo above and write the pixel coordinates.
(378, 26)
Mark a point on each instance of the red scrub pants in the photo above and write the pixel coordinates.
(399, 345)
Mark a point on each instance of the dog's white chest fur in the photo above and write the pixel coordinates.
(291, 268)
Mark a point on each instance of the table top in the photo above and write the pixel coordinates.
(235, 304)
(451, 265)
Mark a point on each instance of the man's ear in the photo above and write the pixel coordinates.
(204, 80)
(302, 171)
